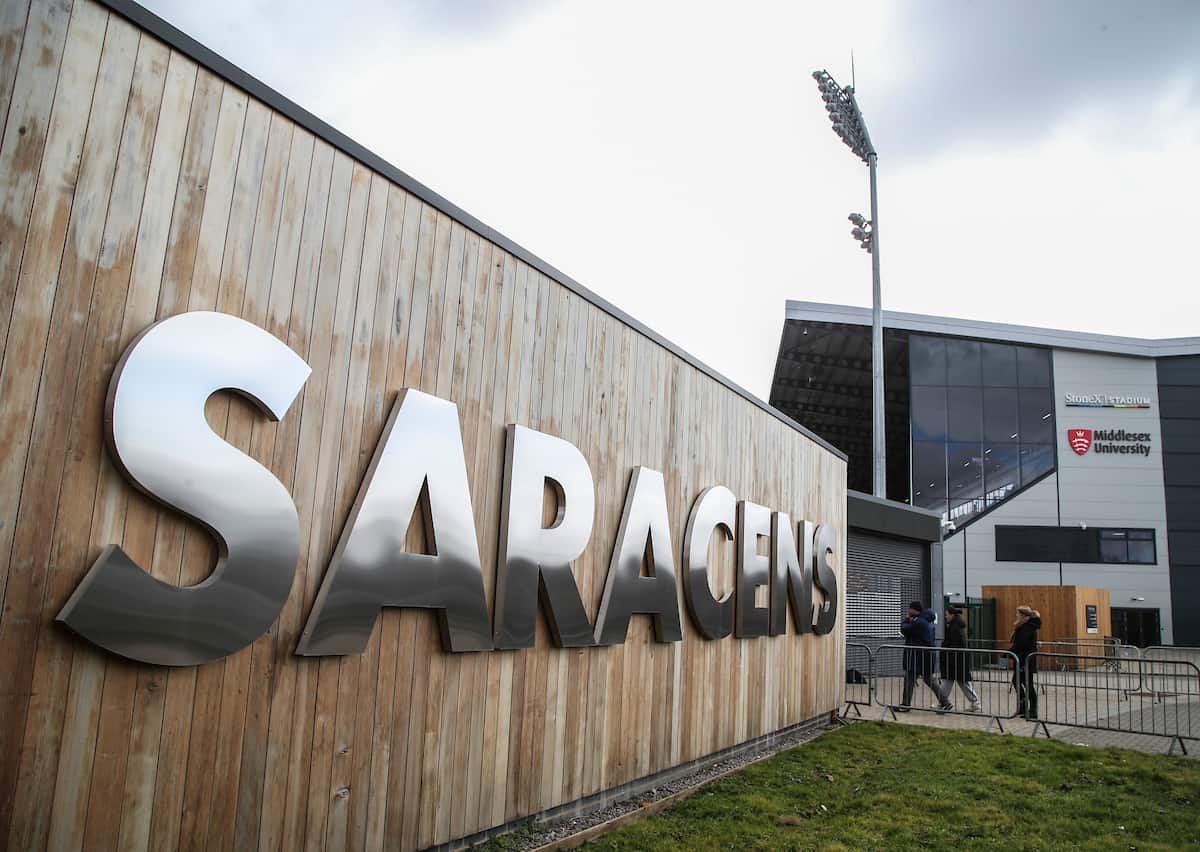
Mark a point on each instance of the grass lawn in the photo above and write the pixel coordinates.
(887, 786)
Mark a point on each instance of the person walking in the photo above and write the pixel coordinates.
(920, 656)
(1023, 645)
(956, 665)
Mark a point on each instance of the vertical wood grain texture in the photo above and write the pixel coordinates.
(1063, 610)
(137, 186)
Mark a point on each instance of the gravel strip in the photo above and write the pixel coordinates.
(539, 835)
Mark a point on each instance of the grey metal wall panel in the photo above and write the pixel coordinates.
(1183, 469)
(1183, 507)
(1179, 401)
(1183, 371)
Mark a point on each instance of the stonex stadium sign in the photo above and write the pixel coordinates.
(1104, 400)
(160, 440)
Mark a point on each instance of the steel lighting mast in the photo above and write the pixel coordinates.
(849, 125)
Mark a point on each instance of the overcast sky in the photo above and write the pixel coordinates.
(1038, 160)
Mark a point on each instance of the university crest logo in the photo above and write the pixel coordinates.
(1080, 440)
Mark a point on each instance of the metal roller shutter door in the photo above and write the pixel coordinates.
(882, 575)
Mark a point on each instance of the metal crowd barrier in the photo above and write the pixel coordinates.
(1147, 695)
(1171, 652)
(900, 668)
(1155, 691)
(860, 674)
(1094, 651)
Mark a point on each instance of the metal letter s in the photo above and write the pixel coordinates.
(644, 527)
(529, 552)
(421, 446)
(715, 508)
(825, 578)
(159, 438)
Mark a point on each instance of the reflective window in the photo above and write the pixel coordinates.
(1033, 367)
(1000, 421)
(928, 414)
(1036, 460)
(999, 364)
(929, 475)
(1037, 416)
(982, 422)
(964, 414)
(964, 471)
(962, 363)
(1079, 545)
(1141, 547)
(927, 360)
(1001, 472)
(1127, 546)
(1113, 547)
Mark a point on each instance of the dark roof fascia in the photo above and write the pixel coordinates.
(888, 517)
(994, 331)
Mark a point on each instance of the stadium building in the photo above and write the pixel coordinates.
(1053, 457)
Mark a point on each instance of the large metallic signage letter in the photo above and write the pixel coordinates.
(791, 575)
(529, 551)
(159, 438)
(420, 452)
(753, 569)
(714, 509)
(824, 544)
(644, 530)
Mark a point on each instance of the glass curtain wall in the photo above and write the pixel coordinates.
(982, 422)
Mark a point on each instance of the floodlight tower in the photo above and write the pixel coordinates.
(849, 125)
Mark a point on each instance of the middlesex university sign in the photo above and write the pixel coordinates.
(1114, 441)
(159, 438)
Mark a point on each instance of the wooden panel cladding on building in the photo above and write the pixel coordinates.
(1063, 610)
(135, 185)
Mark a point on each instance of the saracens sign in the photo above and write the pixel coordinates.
(158, 436)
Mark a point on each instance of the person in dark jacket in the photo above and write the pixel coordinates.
(956, 666)
(920, 655)
(1023, 644)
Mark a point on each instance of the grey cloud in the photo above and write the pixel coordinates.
(464, 17)
(1005, 71)
(292, 44)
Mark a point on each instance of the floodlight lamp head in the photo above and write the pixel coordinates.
(858, 234)
(857, 219)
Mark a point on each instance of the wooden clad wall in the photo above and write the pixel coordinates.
(135, 185)
(1063, 610)
(1099, 598)
(1055, 603)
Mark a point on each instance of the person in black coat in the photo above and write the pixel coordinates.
(920, 655)
(956, 666)
(1023, 644)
